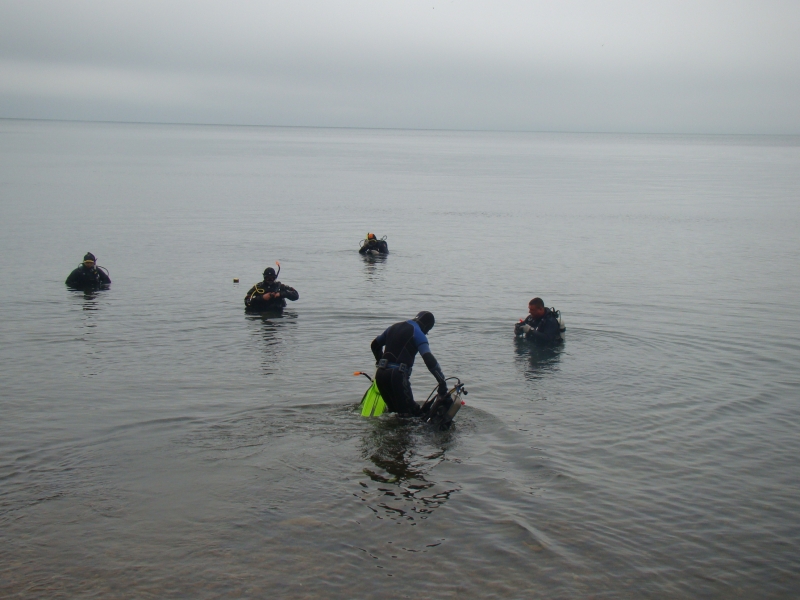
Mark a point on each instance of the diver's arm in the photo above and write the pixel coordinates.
(547, 331)
(524, 326)
(363, 249)
(377, 346)
(104, 278)
(73, 277)
(288, 292)
(436, 371)
(377, 349)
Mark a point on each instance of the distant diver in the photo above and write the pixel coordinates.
(395, 350)
(371, 245)
(269, 294)
(542, 324)
(88, 275)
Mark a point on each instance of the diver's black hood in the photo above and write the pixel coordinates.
(425, 320)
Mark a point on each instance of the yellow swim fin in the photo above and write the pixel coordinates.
(372, 405)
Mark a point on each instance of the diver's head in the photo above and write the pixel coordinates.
(371, 237)
(536, 308)
(89, 260)
(269, 275)
(425, 320)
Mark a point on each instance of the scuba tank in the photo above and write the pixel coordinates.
(451, 412)
(440, 411)
(561, 327)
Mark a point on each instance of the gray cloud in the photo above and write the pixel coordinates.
(718, 67)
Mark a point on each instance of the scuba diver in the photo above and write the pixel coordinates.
(542, 324)
(395, 350)
(269, 294)
(88, 275)
(373, 245)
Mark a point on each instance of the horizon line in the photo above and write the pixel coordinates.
(364, 128)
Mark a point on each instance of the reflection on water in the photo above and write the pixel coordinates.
(270, 327)
(372, 266)
(89, 301)
(537, 360)
(390, 447)
(405, 453)
(90, 298)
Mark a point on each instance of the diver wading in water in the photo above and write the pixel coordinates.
(542, 324)
(395, 350)
(88, 275)
(269, 294)
(371, 245)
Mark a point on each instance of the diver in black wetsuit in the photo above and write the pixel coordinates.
(269, 294)
(88, 275)
(395, 350)
(373, 244)
(541, 325)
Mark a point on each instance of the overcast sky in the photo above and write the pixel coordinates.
(678, 66)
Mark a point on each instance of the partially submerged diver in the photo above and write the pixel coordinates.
(542, 324)
(269, 294)
(88, 275)
(395, 350)
(372, 245)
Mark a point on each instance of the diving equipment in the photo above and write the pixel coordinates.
(254, 301)
(270, 272)
(438, 410)
(548, 328)
(88, 274)
(373, 246)
(372, 404)
(561, 327)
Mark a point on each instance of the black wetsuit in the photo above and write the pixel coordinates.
(544, 329)
(254, 300)
(398, 346)
(379, 245)
(83, 277)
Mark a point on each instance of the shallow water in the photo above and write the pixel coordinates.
(158, 442)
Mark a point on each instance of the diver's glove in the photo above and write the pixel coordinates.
(443, 389)
(526, 328)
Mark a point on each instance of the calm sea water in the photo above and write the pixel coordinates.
(157, 442)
